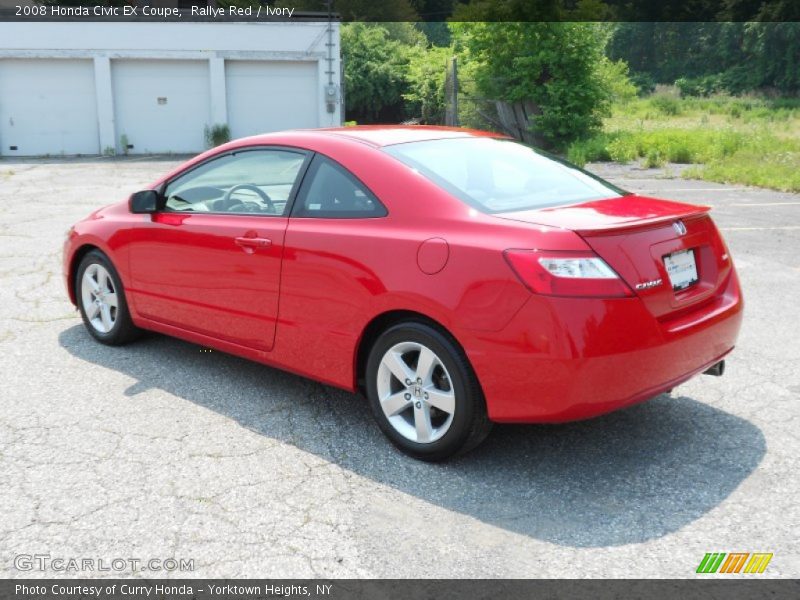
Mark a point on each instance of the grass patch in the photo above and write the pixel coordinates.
(593, 149)
(658, 146)
(777, 171)
(753, 141)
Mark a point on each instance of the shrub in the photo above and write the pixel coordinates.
(654, 158)
(666, 105)
(644, 82)
(623, 149)
(698, 86)
(217, 134)
(591, 149)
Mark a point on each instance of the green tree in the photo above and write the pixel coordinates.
(425, 77)
(374, 72)
(615, 80)
(404, 32)
(742, 56)
(774, 53)
(554, 66)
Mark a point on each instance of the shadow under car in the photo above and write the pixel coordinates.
(623, 478)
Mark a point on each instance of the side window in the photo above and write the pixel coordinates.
(330, 191)
(252, 182)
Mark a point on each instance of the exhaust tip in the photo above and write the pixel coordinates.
(717, 370)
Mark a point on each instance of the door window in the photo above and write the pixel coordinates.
(330, 191)
(251, 182)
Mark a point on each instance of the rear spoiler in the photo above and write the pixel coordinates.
(604, 217)
(693, 212)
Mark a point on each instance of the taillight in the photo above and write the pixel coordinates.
(561, 273)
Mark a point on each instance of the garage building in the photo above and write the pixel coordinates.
(70, 88)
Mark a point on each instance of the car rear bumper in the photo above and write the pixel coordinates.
(566, 359)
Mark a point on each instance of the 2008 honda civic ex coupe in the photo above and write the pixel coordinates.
(456, 278)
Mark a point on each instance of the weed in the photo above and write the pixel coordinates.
(748, 140)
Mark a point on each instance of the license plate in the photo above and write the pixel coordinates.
(681, 269)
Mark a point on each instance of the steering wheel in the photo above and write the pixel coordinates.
(248, 186)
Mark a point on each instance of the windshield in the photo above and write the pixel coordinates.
(495, 175)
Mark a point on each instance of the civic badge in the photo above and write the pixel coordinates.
(679, 227)
(646, 285)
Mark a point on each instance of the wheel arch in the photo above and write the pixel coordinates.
(380, 323)
(75, 261)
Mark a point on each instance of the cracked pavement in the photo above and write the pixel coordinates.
(158, 450)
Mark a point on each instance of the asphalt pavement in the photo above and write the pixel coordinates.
(158, 450)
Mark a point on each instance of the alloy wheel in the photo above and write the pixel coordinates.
(415, 392)
(99, 298)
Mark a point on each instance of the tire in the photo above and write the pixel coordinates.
(442, 415)
(97, 289)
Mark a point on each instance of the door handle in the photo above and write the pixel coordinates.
(249, 244)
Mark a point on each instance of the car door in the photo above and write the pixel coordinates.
(335, 244)
(209, 261)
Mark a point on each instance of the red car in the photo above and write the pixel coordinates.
(456, 278)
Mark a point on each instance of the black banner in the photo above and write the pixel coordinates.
(393, 589)
(403, 10)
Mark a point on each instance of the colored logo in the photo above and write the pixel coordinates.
(734, 562)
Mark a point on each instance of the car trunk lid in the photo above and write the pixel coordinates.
(651, 244)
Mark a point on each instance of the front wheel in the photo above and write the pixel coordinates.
(424, 393)
(101, 301)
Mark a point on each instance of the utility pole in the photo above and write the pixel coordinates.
(330, 89)
(451, 93)
(455, 92)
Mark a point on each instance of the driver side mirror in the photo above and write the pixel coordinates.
(144, 202)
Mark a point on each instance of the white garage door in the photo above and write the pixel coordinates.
(47, 107)
(267, 96)
(161, 105)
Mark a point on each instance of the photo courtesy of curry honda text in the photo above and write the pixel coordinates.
(456, 278)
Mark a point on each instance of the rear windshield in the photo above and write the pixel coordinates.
(495, 175)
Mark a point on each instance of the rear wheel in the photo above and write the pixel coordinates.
(424, 393)
(101, 301)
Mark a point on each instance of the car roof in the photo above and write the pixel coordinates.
(383, 135)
